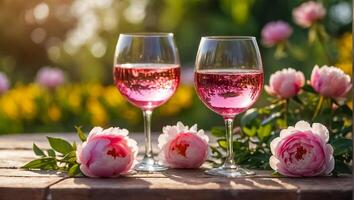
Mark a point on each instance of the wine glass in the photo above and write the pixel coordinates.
(147, 73)
(228, 79)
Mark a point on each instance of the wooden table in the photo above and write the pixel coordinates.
(15, 150)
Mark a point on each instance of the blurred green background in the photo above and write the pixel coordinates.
(79, 36)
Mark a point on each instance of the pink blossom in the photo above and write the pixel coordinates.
(108, 152)
(276, 32)
(181, 147)
(330, 82)
(302, 151)
(285, 83)
(308, 13)
(50, 77)
(4, 83)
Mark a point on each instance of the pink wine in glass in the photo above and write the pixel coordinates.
(147, 85)
(229, 92)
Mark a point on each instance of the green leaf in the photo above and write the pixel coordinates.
(37, 150)
(74, 170)
(297, 100)
(51, 153)
(264, 131)
(74, 146)
(60, 145)
(69, 157)
(341, 168)
(341, 146)
(218, 132)
(248, 117)
(344, 109)
(250, 131)
(308, 88)
(214, 150)
(41, 163)
(222, 143)
(80, 133)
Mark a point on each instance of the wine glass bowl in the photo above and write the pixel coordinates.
(147, 73)
(228, 80)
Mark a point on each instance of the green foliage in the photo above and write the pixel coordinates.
(80, 133)
(61, 156)
(261, 125)
(60, 145)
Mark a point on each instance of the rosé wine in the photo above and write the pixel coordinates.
(229, 92)
(147, 86)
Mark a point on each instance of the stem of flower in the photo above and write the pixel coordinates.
(322, 40)
(318, 108)
(286, 112)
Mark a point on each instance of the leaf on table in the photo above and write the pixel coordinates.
(80, 133)
(37, 150)
(69, 157)
(51, 153)
(74, 170)
(74, 145)
(41, 163)
(60, 145)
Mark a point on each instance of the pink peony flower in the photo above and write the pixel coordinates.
(330, 82)
(181, 147)
(50, 77)
(4, 83)
(276, 32)
(302, 151)
(106, 153)
(308, 13)
(285, 83)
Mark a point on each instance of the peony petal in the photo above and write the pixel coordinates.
(274, 145)
(330, 166)
(286, 132)
(86, 171)
(274, 162)
(194, 128)
(321, 131)
(95, 131)
(302, 126)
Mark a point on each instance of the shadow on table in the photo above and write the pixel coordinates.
(198, 177)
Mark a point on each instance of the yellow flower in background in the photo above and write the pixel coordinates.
(97, 111)
(132, 116)
(93, 89)
(19, 103)
(112, 96)
(345, 53)
(54, 113)
(74, 101)
(183, 98)
(9, 107)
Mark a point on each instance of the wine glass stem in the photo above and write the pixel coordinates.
(229, 162)
(147, 130)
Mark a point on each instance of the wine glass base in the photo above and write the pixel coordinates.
(230, 172)
(149, 165)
